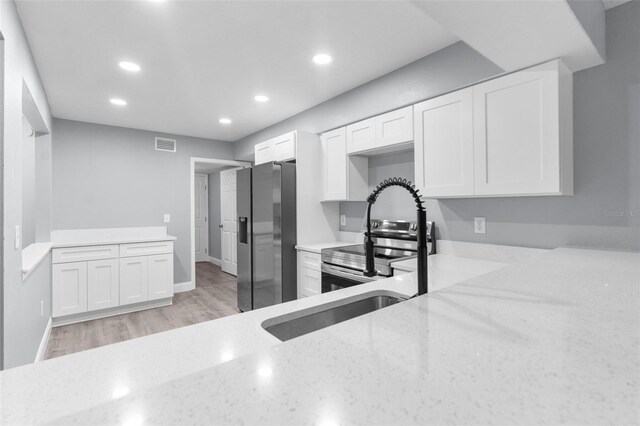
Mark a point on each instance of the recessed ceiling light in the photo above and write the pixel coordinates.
(322, 59)
(261, 98)
(119, 102)
(129, 66)
(225, 121)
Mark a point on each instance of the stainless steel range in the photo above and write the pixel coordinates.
(394, 241)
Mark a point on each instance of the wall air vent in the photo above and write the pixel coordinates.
(164, 144)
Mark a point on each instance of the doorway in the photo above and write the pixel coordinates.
(213, 217)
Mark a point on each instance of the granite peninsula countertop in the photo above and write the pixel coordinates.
(551, 340)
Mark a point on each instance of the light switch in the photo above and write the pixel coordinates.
(479, 225)
(343, 220)
(167, 218)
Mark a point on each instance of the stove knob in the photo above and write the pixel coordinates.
(375, 224)
(414, 227)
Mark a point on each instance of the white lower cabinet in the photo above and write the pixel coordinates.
(102, 284)
(69, 292)
(309, 275)
(110, 276)
(134, 280)
(160, 274)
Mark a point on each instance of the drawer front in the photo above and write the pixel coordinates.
(310, 260)
(145, 249)
(79, 254)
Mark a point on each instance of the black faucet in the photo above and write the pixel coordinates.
(370, 270)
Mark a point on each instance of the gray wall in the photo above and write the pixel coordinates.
(214, 215)
(604, 212)
(111, 177)
(21, 325)
(443, 71)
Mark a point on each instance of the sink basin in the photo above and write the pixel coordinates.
(298, 323)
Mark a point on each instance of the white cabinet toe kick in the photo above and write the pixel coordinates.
(91, 282)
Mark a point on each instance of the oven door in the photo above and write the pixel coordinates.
(336, 277)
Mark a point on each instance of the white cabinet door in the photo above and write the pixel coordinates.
(69, 288)
(134, 280)
(263, 152)
(517, 133)
(284, 147)
(311, 282)
(334, 164)
(160, 276)
(394, 127)
(102, 284)
(444, 145)
(361, 136)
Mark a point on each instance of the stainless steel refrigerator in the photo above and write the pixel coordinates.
(266, 201)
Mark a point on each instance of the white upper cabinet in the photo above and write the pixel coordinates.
(395, 127)
(361, 136)
(522, 139)
(444, 145)
(263, 152)
(284, 147)
(382, 133)
(344, 178)
(334, 164)
(281, 148)
(511, 136)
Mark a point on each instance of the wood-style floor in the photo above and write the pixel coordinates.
(214, 297)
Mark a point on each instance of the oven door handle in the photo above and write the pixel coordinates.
(338, 272)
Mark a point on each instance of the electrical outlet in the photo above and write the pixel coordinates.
(17, 237)
(343, 220)
(167, 218)
(479, 225)
(42, 308)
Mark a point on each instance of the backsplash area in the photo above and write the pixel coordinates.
(393, 203)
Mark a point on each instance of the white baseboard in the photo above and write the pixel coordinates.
(118, 310)
(185, 286)
(44, 342)
(214, 260)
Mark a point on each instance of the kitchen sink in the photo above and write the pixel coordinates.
(298, 323)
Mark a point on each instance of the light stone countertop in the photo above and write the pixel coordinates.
(318, 247)
(106, 236)
(551, 341)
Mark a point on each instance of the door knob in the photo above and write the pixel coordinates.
(220, 226)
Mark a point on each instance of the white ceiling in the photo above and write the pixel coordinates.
(202, 60)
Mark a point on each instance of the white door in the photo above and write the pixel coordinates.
(201, 217)
(229, 226)
(444, 145)
(69, 288)
(102, 288)
(517, 133)
(134, 280)
(160, 276)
